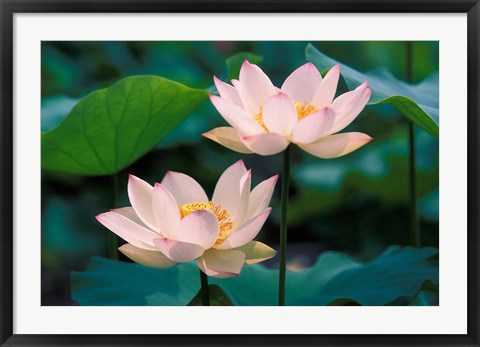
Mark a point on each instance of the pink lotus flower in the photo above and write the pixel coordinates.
(175, 222)
(266, 119)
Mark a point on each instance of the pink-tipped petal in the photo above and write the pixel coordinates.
(184, 188)
(228, 191)
(153, 259)
(236, 117)
(314, 126)
(128, 230)
(349, 105)
(227, 92)
(280, 114)
(256, 85)
(325, 92)
(337, 145)
(246, 232)
(260, 197)
(200, 228)
(221, 264)
(140, 195)
(266, 144)
(165, 211)
(302, 83)
(229, 138)
(178, 251)
(346, 101)
(256, 252)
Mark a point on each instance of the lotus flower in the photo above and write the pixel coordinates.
(175, 222)
(265, 119)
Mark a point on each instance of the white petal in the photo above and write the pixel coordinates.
(314, 126)
(154, 259)
(199, 227)
(242, 206)
(326, 90)
(302, 83)
(260, 197)
(227, 92)
(256, 252)
(337, 145)
(183, 188)
(229, 138)
(257, 86)
(246, 232)
(228, 190)
(280, 114)
(251, 110)
(349, 105)
(165, 211)
(236, 117)
(266, 144)
(178, 251)
(140, 195)
(129, 213)
(128, 230)
(221, 264)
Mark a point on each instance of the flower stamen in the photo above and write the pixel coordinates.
(186, 209)
(259, 119)
(222, 215)
(224, 222)
(304, 109)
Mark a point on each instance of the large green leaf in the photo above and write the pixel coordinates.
(334, 279)
(111, 128)
(217, 297)
(417, 102)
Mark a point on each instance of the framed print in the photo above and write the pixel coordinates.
(203, 173)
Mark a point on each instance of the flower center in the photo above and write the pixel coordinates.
(222, 215)
(304, 109)
(259, 119)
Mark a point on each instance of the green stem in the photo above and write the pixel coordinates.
(283, 226)
(414, 219)
(112, 238)
(205, 293)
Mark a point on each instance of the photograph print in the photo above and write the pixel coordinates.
(240, 173)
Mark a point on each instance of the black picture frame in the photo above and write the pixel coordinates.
(10, 7)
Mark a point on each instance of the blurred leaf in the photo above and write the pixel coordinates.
(111, 128)
(325, 175)
(217, 297)
(114, 283)
(61, 232)
(378, 170)
(55, 109)
(235, 62)
(60, 73)
(418, 102)
(424, 298)
(175, 61)
(189, 131)
(429, 206)
(398, 272)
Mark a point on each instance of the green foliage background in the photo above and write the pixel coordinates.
(357, 204)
